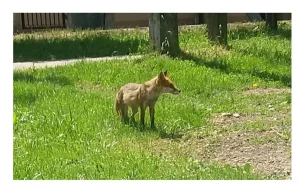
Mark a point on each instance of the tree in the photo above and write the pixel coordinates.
(271, 21)
(163, 31)
(87, 20)
(212, 26)
(223, 31)
(217, 27)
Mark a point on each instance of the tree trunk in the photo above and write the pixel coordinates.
(271, 21)
(87, 20)
(163, 31)
(217, 27)
(223, 31)
(213, 26)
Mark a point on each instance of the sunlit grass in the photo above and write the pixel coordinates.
(65, 126)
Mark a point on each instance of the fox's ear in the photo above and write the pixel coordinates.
(166, 72)
(161, 76)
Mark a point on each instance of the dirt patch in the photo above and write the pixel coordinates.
(269, 158)
(262, 91)
(218, 119)
(266, 149)
(225, 121)
(261, 150)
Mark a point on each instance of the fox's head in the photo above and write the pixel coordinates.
(166, 83)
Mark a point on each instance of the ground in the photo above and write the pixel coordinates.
(266, 150)
(270, 158)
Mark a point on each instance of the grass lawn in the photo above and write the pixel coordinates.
(65, 126)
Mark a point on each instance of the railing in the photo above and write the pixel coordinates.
(43, 20)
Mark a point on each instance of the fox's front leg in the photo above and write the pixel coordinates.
(143, 110)
(152, 111)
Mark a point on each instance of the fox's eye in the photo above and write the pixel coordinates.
(171, 85)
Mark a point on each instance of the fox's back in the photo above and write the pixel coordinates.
(130, 93)
(130, 87)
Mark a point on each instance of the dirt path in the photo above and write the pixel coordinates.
(43, 64)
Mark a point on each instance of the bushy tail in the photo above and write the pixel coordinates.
(119, 102)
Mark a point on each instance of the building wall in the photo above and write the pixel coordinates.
(131, 20)
(237, 17)
(284, 16)
(141, 19)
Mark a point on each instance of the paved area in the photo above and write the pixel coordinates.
(42, 64)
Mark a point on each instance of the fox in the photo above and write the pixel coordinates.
(143, 95)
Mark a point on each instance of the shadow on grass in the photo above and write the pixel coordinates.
(284, 33)
(157, 129)
(29, 78)
(171, 135)
(244, 32)
(271, 55)
(34, 49)
(224, 67)
(27, 98)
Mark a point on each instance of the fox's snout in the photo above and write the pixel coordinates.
(171, 90)
(176, 92)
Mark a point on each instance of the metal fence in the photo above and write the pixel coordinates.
(43, 20)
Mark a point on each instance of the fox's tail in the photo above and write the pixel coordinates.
(119, 102)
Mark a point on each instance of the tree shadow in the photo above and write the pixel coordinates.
(23, 76)
(244, 32)
(224, 67)
(272, 55)
(38, 49)
(27, 98)
(281, 32)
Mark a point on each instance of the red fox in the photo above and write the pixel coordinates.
(142, 96)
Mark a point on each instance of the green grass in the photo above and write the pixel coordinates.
(65, 126)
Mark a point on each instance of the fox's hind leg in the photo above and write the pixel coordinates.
(125, 114)
(134, 111)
